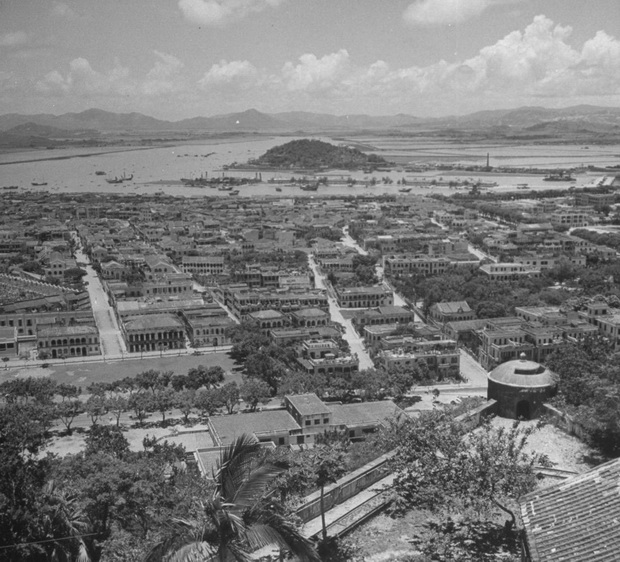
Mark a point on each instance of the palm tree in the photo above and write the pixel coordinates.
(238, 518)
(63, 525)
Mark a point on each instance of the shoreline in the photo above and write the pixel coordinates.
(90, 154)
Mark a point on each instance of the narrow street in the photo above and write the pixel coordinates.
(112, 343)
(348, 240)
(480, 254)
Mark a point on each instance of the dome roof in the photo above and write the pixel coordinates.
(523, 373)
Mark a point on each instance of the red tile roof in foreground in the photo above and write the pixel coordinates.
(576, 520)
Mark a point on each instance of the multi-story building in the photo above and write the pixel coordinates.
(364, 297)
(153, 332)
(8, 343)
(501, 340)
(572, 216)
(208, 327)
(242, 301)
(56, 267)
(324, 357)
(382, 315)
(203, 265)
(427, 265)
(57, 341)
(443, 312)
(606, 320)
(310, 318)
(543, 262)
(442, 357)
(508, 271)
(266, 320)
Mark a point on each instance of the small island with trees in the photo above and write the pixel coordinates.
(315, 154)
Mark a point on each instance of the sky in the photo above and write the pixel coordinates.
(175, 59)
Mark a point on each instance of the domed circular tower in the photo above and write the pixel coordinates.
(521, 387)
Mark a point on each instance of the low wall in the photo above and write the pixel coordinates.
(473, 418)
(565, 422)
(345, 488)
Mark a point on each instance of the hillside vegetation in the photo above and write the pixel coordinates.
(310, 153)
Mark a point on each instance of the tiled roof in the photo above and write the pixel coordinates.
(576, 520)
(451, 307)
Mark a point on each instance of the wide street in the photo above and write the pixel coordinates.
(112, 343)
(356, 343)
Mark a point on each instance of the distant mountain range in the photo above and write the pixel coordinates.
(525, 120)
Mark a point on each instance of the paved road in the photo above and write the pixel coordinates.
(472, 371)
(112, 342)
(350, 335)
(348, 240)
(480, 254)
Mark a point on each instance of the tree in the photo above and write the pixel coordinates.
(142, 404)
(178, 382)
(200, 376)
(369, 382)
(246, 340)
(439, 465)
(296, 382)
(185, 400)
(116, 405)
(68, 410)
(23, 433)
(399, 381)
(229, 396)
(163, 400)
(253, 391)
(578, 373)
(148, 380)
(96, 407)
(208, 401)
(237, 518)
(108, 440)
(261, 365)
(328, 463)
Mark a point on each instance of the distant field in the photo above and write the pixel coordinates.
(83, 374)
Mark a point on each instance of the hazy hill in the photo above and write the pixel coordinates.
(524, 117)
(47, 131)
(583, 118)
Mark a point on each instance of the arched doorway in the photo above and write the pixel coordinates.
(523, 410)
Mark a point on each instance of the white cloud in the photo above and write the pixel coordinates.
(240, 73)
(443, 12)
(62, 10)
(13, 39)
(165, 77)
(83, 80)
(314, 74)
(221, 12)
(537, 61)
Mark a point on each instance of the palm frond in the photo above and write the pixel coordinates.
(265, 525)
(239, 554)
(83, 555)
(235, 464)
(183, 533)
(255, 486)
(194, 552)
